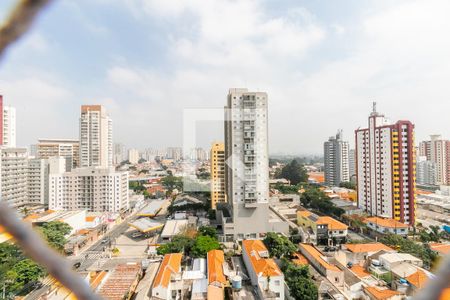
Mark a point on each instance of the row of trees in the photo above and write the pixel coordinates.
(194, 244)
(17, 272)
(297, 278)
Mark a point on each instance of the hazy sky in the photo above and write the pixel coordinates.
(322, 63)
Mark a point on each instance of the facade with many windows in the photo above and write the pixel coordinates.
(91, 189)
(217, 174)
(386, 168)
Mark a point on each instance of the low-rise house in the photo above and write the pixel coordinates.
(321, 263)
(375, 293)
(358, 253)
(386, 226)
(390, 260)
(264, 273)
(168, 282)
(121, 283)
(353, 285)
(321, 229)
(216, 275)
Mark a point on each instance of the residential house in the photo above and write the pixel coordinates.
(358, 253)
(168, 282)
(264, 273)
(321, 229)
(321, 263)
(386, 226)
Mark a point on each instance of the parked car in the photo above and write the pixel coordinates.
(136, 234)
(76, 265)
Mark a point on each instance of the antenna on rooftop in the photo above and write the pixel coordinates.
(374, 107)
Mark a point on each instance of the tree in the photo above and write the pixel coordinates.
(208, 231)
(279, 245)
(23, 272)
(55, 233)
(299, 281)
(409, 246)
(179, 243)
(294, 172)
(314, 198)
(203, 244)
(172, 182)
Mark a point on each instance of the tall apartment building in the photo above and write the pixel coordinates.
(175, 153)
(119, 154)
(336, 160)
(386, 168)
(24, 180)
(7, 125)
(92, 189)
(96, 142)
(14, 176)
(37, 181)
(437, 151)
(352, 164)
(247, 164)
(133, 156)
(67, 148)
(426, 171)
(217, 174)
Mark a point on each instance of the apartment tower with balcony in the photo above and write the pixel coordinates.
(247, 164)
(217, 174)
(336, 160)
(386, 168)
(96, 144)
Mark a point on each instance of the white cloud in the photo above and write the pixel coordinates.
(41, 106)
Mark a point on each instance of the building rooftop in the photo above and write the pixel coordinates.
(442, 248)
(146, 225)
(258, 255)
(359, 271)
(333, 224)
(118, 284)
(215, 267)
(299, 259)
(368, 247)
(380, 294)
(318, 256)
(418, 279)
(173, 227)
(399, 257)
(170, 264)
(152, 209)
(388, 223)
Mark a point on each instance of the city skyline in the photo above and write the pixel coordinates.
(158, 77)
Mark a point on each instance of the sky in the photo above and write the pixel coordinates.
(322, 64)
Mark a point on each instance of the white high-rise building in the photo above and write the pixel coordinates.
(37, 184)
(133, 156)
(9, 126)
(247, 164)
(14, 176)
(92, 189)
(386, 168)
(96, 142)
(336, 160)
(119, 154)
